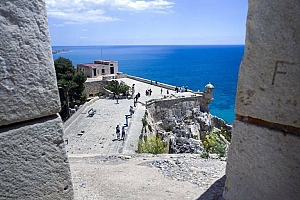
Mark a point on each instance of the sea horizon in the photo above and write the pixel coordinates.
(193, 66)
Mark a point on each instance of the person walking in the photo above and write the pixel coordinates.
(134, 101)
(123, 133)
(117, 97)
(118, 132)
(131, 111)
(132, 89)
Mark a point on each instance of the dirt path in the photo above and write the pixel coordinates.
(147, 177)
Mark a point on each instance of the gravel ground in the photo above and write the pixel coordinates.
(147, 176)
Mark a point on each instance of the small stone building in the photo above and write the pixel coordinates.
(98, 68)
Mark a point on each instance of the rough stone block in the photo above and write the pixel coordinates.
(269, 83)
(33, 161)
(27, 76)
(262, 164)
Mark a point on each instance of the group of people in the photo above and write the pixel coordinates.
(181, 89)
(161, 91)
(148, 92)
(131, 112)
(118, 131)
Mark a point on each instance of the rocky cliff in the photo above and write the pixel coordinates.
(186, 126)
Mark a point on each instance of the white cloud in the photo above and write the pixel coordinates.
(141, 5)
(57, 25)
(80, 11)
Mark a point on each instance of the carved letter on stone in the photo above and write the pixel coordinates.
(281, 68)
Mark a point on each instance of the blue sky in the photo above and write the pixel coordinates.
(146, 22)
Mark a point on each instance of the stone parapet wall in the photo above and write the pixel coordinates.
(263, 160)
(163, 85)
(121, 75)
(33, 160)
(268, 87)
(28, 78)
(262, 164)
(93, 88)
(177, 105)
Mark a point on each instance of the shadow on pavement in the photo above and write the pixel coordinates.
(215, 192)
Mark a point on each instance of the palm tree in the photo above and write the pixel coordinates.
(117, 87)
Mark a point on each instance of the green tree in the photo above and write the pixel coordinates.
(64, 69)
(117, 87)
(70, 84)
(79, 79)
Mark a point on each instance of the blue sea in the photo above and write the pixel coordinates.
(192, 66)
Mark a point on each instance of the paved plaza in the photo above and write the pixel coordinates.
(97, 134)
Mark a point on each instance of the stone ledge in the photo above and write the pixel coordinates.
(262, 163)
(33, 161)
(283, 128)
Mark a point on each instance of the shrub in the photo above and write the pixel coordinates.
(204, 155)
(116, 87)
(214, 144)
(153, 145)
(226, 134)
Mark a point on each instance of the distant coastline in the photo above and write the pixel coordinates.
(57, 51)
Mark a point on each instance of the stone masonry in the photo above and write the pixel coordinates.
(26, 64)
(92, 88)
(263, 160)
(33, 161)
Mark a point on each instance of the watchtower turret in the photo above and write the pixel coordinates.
(209, 92)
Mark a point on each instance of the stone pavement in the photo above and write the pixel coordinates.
(96, 135)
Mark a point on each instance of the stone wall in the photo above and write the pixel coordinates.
(92, 88)
(263, 160)
(179, 106)
(33, 161)
(159, 84)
